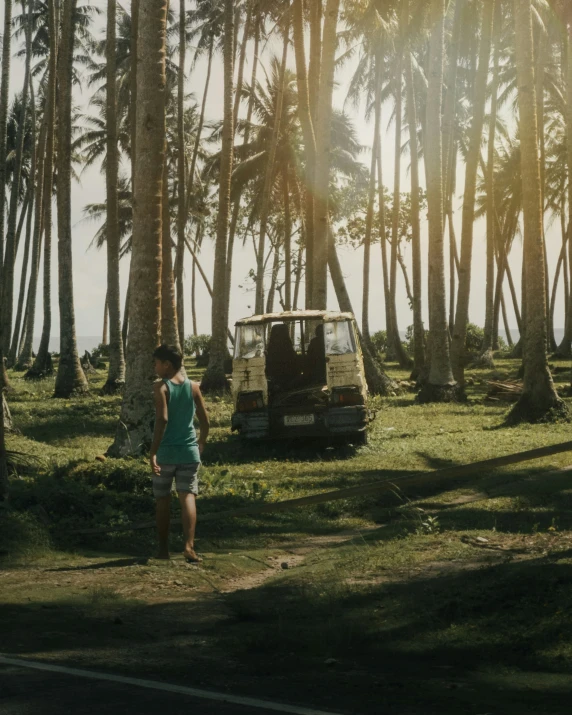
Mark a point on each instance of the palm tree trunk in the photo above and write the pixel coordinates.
(198, 241)
(4, 99)
(298, 278)
(11, 235)
(378, 382)
(274, 279)
(215, 376)
(43, 363)
(169, 314)
(539, 70)
(382, 232)
(70, 378)
(306, 122)
(195, 154)
(368, 226)
(25, 348)
(116, 374)
(486, 357)
(323, 148)
(539, 399)
(418, 330)
(134, 430)
(316, 52)
(287, 241)
(105, 332)
(13, 354)
(395, 346)
(453, 272)
(450, 106)
(237, 98)
(269, 179)
(440, 386)
(181, 207)
(479, 106)
(565, 347)
(125, 324)
(4, 487)
(133, 86)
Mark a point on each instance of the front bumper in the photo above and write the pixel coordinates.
(328, 422)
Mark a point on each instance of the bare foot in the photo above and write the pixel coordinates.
(191, 556)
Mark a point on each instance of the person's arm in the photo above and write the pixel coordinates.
(204, 424)
(161, 419)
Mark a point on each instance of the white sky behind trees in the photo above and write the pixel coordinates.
(89, 266)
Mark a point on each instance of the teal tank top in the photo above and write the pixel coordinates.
(179, 444)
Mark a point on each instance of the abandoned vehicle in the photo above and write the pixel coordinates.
(299, 374)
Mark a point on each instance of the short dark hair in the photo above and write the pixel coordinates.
(171, 353)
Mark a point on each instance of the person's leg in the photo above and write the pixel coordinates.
(163, 521)
(162, 484)
(189, 520)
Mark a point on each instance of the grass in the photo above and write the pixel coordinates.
(426, 601)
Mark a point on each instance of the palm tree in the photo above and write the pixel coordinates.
(4, 99)
(181, 183)
(169, 327)
(70, 378)
(215, 377)
(25, 359)
(323, 153)
(472, 164)
(265, 197)
(539, 399)
(11, 241)
(134, 429)
(116, 375)
(418, 329)
(440, 385)
(43, 363)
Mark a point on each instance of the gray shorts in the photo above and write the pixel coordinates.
(186, 478)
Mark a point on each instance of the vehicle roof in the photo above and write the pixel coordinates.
(292, 315)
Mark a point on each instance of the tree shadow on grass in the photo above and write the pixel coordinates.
(60, 427)
(444, 641)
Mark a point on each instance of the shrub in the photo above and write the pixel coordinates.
(379, 341)
(197, 345)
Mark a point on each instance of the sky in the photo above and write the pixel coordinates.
(89, 265)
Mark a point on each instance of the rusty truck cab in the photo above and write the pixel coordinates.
(299, 373)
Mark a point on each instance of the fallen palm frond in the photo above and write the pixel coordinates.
(506, 391)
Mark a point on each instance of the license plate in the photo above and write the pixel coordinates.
(297, 420)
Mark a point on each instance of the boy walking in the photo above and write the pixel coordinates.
(176, 451)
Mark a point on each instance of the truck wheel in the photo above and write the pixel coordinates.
(359, 439)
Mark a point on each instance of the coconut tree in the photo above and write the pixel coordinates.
(43, 363)
(181, 179)
(116, 374)
(215, 377)
(469, 196)
(539, 399)
(70, 378)
(265, 198)
(135, 426)
(11, 241)
(440, 385)
(323, 152)
(4, 99)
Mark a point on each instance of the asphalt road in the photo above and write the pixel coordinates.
(31, 692)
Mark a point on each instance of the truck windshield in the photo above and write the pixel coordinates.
(339, 338)
(249, 341)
